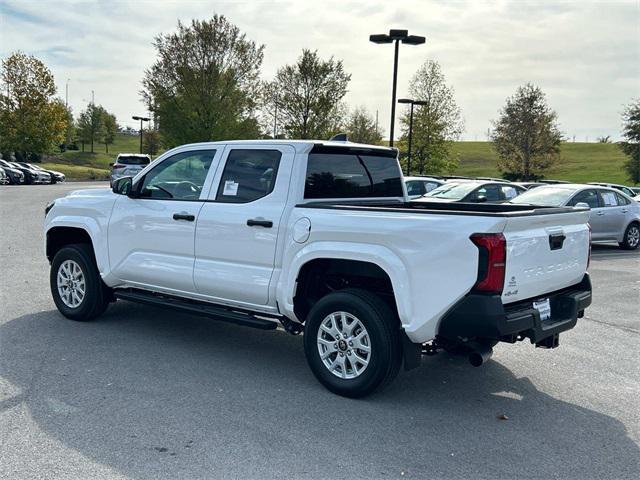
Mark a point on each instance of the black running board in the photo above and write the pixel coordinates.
(223, 314)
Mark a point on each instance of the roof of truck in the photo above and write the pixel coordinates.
(301, 146)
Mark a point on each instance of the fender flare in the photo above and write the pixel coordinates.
(379, 255)
(97, 235)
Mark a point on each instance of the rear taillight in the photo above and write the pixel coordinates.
(589, 257)
(492, 249)
(116, 166)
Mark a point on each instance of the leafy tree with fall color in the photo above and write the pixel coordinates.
(526, 135)
(32, 121)
(91, 125)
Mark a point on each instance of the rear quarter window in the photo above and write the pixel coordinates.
(352, 175)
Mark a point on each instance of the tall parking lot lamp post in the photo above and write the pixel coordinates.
(142, 119)
(396, 36)
(412, 103)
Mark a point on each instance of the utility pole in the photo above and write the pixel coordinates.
(275, 118)
(66, 94)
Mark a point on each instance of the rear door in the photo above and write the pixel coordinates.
(597, 216)
(611, 213)
(237, 231)
(544, 253)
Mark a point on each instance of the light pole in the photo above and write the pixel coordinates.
(396, 36)
(66, 93)
(412, 103)
(142, 119)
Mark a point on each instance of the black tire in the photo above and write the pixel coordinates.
(631, 237)
(383, 327)
(96, 298)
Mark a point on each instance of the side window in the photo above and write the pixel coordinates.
(509, 192)
(590, 197)
(430, 186)
(248, 175)
(490, 192)
(415, 188)
(608, 198)
(622, 200)
(180, 177)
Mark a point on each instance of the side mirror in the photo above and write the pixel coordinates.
(122, 186)
(582, 205)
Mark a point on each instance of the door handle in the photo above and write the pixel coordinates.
(184, 216)
(624, 210)
(599, 213)
(254, 222)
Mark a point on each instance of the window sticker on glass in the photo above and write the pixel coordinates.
(609, 199)
(230, 188)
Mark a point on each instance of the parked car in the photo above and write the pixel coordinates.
(32, 175)
(474, 191)
(623, 188)
(55, 176)
(636, 190)
(4, 180)
(320, 236)
(129, 165)
(614, 215)
(418, 186)
(15, 175)
(529, 185)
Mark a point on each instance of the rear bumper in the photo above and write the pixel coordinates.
(485, 317)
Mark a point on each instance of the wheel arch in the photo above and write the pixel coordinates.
(59, 236)
(376, 265)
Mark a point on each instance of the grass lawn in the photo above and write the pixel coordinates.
(579, 162)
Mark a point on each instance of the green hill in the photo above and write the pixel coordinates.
(579, 162)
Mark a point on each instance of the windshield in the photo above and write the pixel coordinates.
(452, 191)
(545, 196)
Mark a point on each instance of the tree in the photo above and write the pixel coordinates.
(436, 124)
(151, 142)
(109, 129)
(631, 144)
(526, 136)
(32, 121)
(308, 95)
(361, 127)
(204, 83)
(91, 125)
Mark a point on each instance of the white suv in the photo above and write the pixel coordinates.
(128, 165)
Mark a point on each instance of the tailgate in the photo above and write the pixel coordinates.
(544, 253)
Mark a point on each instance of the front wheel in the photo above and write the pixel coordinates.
(631, 237)
(76, 286)
(352, 342)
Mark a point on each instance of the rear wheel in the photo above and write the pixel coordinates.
(76, 286)
(631, 237)
(352, 342)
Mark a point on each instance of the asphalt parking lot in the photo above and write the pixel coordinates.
(144, 393)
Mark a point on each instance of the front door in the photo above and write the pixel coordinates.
(151, 238)
(238, 226)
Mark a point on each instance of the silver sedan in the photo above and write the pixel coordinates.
(614, 215)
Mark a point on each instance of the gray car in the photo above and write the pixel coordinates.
(614, 215)
(128, 165)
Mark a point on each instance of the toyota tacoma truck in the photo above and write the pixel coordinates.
(320, 237)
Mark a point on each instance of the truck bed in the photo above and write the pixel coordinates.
(447, 208)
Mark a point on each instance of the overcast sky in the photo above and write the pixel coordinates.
(585, 55)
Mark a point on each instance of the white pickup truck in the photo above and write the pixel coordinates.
(320, 237)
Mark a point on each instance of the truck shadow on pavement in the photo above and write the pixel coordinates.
(155, 394)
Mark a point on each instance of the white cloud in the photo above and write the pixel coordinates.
(585, 55)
